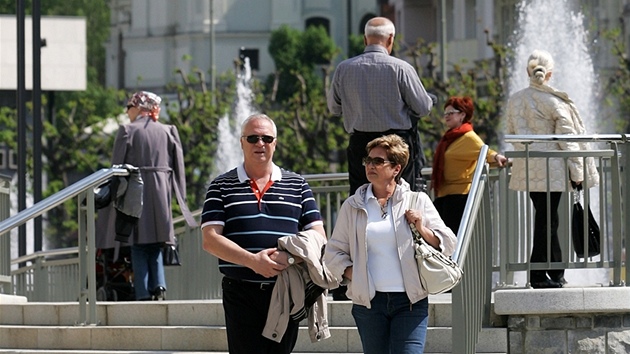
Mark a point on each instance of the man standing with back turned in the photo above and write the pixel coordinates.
(246, 210)
(377, 95)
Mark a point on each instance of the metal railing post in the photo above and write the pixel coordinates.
(616, 218)
(5, 240)
(87, 258)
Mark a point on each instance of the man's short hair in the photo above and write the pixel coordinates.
(383, 29)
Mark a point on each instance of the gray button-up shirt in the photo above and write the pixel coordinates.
(376, 92)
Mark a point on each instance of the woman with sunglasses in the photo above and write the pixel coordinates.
(455, 161)
(371, 250)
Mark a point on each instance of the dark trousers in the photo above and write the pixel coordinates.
(539, 249)
(246, 306)
(451, 209)
(356, 152)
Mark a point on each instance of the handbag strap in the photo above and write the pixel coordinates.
(413, 200)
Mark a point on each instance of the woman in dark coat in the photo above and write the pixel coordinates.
(156, 149)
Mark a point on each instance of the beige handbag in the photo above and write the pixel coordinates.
(438, 273)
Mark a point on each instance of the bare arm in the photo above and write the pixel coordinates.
(221, 247)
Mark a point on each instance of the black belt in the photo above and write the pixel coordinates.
(264, 286)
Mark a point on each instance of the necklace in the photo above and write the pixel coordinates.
(384, 209)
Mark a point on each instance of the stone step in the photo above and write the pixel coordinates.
(173, 313)
(195, 325)
(204, 338)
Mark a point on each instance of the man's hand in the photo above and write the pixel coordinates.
(263, 263)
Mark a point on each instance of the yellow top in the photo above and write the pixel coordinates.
(460, 161)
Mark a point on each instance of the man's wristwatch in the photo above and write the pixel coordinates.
(290, 259)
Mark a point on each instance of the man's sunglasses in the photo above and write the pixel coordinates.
(376, 161)
(253, 139)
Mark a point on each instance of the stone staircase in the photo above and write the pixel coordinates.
(186, 326)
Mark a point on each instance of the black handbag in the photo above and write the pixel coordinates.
(577, 228)
(105, 193)
(170, 254)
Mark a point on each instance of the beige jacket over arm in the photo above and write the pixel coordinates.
(287, 298)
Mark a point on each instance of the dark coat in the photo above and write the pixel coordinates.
(157, 150)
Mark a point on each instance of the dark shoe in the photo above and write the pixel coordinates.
(561, 281)
(159, 294)
(546, 284)
(340, 297)
(339, 294)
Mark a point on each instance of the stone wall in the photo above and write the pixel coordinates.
(580, 333)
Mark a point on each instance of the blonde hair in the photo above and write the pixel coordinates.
(396, 149)
(539, 64)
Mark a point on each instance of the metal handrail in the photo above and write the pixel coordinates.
(49, 253)
(60, 197)
(623, 138)
(610, 189)
(472, 311)
(84, 191)
(474, 194)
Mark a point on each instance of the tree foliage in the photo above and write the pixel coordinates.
(310, 139)
(483, 81)
(296, 55)
(196, 116)
(618, 83)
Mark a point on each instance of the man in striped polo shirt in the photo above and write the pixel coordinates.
(245, 212)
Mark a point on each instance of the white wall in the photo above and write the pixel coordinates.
(63, 59)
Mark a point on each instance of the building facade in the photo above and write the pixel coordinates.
(150, 39)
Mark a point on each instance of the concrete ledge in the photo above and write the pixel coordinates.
(561, 301)
(12, 299)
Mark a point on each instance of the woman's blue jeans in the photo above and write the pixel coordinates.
(148, 269)
(393, 325)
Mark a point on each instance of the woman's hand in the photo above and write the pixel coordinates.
(500, 159)
(413, 217)
(348, 273)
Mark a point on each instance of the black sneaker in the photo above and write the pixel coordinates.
(159, 294)
(546, 284)
(561, 281)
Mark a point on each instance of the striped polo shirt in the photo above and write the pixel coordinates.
(285, 208)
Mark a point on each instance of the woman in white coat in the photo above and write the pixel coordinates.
(541, 109)
(371, 249)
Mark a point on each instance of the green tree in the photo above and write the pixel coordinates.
(356, 45)
(197, 118)
(618, 83)
(310, 139)
(296, 55)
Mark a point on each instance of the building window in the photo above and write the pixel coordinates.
(319, 21)
(252, 54)
(13, 165)
(364, 21)
(3, 158)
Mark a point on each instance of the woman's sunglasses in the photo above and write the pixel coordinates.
(376, 161)
(253, 139)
